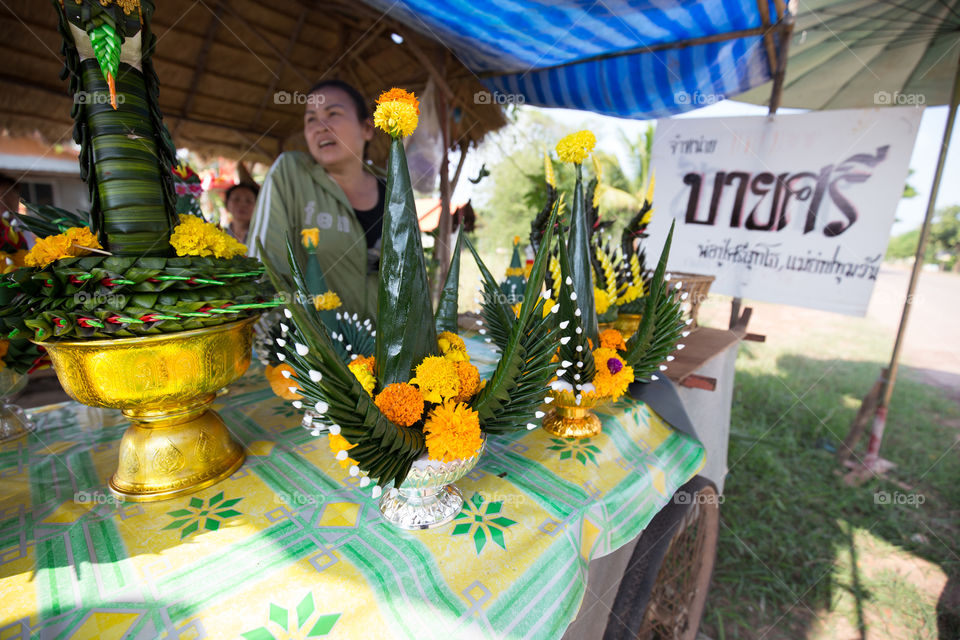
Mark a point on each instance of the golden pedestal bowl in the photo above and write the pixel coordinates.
(164, 385)
(627, 323)
(567, 419)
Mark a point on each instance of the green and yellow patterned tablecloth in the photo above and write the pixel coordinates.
(290, 546)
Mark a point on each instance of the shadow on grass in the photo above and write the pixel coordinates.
(803, 555)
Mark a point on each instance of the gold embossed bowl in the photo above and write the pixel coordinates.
(568, 418)
(164, 385)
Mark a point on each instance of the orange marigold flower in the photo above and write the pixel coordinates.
(280, 384)
(337, 444)
(400, 95)
(401, 403)
(469, 381)
(452, 432)
(612, 339)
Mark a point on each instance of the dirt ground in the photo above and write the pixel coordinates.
(931, 348)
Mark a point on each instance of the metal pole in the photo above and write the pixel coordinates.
(880, 419)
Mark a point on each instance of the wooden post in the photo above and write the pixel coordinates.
(441, 250)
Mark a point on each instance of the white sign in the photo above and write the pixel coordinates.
(792, 209)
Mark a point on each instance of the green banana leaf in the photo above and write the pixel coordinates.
(446, 317)
(581, 264)
(405, 324)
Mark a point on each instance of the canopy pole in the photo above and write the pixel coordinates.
(872, 462)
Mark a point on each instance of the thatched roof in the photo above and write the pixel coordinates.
(222, 62)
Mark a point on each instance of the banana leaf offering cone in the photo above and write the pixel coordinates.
(596, 367)
(133, 266)
(140, 308)
(413, 413)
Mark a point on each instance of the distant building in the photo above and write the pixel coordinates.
(47, 175)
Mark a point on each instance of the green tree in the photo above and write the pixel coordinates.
(945, 236)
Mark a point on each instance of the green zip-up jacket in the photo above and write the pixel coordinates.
(298, 194)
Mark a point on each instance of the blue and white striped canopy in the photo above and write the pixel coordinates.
(628, 58)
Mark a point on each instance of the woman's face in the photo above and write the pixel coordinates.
(241, 205)
(335, 136)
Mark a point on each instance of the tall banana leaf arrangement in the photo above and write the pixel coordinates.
(414, 413)
(596, 367)
(139, 309)
(630, 264)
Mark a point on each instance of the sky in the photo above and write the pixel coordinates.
(910, 212)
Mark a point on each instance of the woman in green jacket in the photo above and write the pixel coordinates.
(332, 189)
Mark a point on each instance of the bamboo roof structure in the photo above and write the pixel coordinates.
(226, 67)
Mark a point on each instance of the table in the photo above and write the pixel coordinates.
(289, 544)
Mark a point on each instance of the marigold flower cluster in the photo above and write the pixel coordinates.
(73, 243)
(397, 113)
(194, 237)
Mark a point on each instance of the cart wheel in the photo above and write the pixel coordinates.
(679, 594)
(664, 589)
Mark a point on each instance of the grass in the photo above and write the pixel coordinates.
(804, 555)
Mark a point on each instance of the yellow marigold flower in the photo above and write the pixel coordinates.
(337, 444)
(469, 381)
(576, 147)
(401, 403)
(453, 347)
(612, 376)
(64, 245)
(280, 384)
(310, 237)
(612, 339)
(452, 432)
(327, 301)
(362, 373)
(437, 379)
(194, 237)
(397, 112)
(601, 300)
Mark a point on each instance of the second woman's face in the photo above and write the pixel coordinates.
(335, 136)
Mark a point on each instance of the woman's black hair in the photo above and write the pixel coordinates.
(241, 185)
(359, 103)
